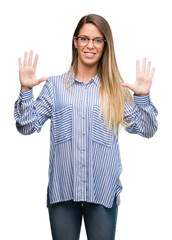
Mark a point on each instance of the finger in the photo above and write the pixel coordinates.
(148, 68)
(35, 61)
(137, 68)
(30, 58)
(20, 63)
(152, 73)
(25, 59)
(143, 65)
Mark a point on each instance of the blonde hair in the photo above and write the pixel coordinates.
(111, 92)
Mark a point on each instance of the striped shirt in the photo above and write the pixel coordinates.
(84, 161)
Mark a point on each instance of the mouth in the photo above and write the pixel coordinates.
(89, 54)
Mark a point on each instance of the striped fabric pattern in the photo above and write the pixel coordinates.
(84, 160)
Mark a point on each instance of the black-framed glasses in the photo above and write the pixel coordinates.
(97, 41)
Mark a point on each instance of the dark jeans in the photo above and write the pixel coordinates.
(66, 218)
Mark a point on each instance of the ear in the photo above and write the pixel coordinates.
(75, 42)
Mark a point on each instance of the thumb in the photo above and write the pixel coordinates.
(127, 85)
(42, 80)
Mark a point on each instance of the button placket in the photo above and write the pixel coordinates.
(84, 150)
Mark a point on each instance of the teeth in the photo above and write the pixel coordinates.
(90, 54)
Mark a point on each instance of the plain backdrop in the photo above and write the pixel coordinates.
(141, 28)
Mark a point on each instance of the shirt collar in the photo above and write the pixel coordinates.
(71, 79)
(96, 79)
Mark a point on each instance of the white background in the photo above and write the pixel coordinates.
(141, 28)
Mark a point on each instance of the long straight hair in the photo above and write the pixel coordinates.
(112, 94)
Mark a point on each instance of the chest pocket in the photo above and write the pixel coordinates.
(62, 124)
(100, 133)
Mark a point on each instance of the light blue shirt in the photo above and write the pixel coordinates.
(84, 161)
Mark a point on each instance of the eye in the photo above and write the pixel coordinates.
(98, 40)
(84, 39)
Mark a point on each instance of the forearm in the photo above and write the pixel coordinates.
(142, 117)
(23, 89)
(30, 115)
(24, 113)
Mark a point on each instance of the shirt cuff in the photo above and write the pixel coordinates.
(26, 95)
(142, 99)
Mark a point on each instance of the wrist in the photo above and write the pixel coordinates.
(23, 89)
(141, 95)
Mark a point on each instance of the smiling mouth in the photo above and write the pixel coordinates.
(89, 54)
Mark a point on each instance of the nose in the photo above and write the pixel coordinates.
(90, 44)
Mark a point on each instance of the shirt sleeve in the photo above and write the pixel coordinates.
(141, 115)
(34, 113)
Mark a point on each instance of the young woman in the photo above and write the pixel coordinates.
(86, 106)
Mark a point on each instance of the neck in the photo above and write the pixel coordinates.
(86, 72)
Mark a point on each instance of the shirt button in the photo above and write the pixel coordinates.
(83, 101)
(83, 117)
(83, 165)
(84, 181)
(85, 88)
(83, 149)
(83, 134)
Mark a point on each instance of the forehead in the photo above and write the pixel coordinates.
(90, 30)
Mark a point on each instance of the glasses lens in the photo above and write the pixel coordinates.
(98, 42)
(83, 41)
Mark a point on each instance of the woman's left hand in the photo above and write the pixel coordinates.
(144, 78)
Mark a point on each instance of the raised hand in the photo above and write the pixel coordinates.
(144, 78)
(27, 72)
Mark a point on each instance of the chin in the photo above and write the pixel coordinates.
(90, 62)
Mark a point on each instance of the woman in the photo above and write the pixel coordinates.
(86, 105)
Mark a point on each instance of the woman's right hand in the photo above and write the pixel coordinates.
(27, 72)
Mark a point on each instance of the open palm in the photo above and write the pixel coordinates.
(144, 78)
(27, 72)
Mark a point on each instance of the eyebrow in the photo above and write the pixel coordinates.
(88, 37)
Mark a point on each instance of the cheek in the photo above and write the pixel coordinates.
(100, 53)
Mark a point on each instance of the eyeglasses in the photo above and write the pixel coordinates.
(83, 41)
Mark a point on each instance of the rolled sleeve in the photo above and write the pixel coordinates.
(141, 116)
(142, 99)
(33, 113)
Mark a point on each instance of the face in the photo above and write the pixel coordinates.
(89, 55)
